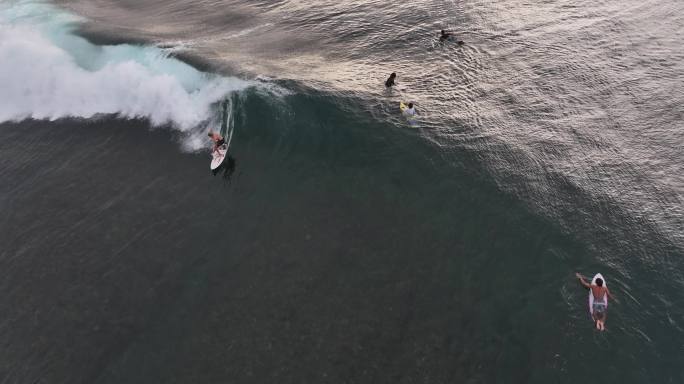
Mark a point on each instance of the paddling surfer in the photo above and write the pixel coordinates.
(449, 36)
(600, 305)
(444, 35)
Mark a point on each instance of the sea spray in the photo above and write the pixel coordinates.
(49, 72)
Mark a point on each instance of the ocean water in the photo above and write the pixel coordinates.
(348, 246)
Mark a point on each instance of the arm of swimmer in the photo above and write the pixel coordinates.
(582, 281)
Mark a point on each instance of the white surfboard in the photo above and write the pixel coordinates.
(591, 295)
(217, 157)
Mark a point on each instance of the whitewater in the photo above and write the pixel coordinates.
(48, 72)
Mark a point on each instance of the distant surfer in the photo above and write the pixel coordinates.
(410, 110)
(600, 294)
(389, 83)
(449, 36)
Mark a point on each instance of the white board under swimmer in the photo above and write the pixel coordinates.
(591, 294)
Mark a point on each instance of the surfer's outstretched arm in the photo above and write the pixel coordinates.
(581, 279)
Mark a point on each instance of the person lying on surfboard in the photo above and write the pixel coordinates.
(444, 36)
(601, 295)
(217, 139)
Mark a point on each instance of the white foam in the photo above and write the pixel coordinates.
(48, 72)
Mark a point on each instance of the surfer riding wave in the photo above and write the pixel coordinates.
(220, 158)
(215, 136)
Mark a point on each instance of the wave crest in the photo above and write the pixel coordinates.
(48, 72)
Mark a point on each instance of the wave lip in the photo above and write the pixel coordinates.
(48, 72)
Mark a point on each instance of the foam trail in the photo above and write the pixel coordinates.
(48, 72)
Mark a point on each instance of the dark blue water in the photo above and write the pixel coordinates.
(348, 245)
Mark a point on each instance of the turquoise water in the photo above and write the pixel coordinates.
(348, 246)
